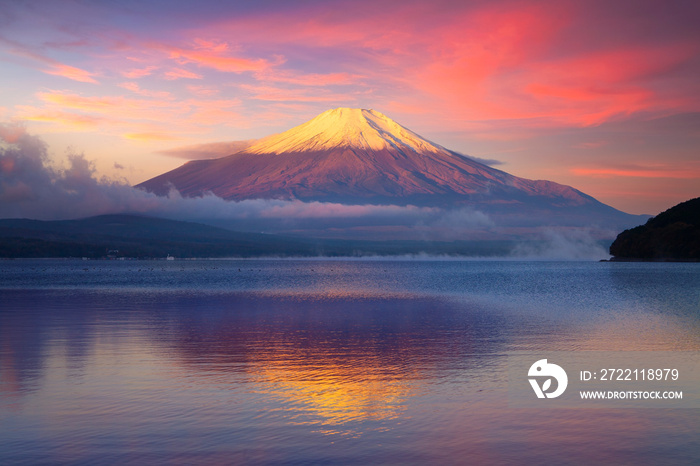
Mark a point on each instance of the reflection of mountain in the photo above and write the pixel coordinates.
(333, 360)
(354, 156)
(102, 363)
(21, 361)
(27, 319)
(337, 357)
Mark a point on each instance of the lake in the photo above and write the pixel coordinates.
(327, 361)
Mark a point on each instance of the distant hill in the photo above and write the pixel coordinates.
(671, 235)
(133, 236)
(138, 236)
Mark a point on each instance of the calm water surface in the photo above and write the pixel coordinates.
(268, 361)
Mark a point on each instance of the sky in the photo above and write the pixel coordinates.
(602, 96)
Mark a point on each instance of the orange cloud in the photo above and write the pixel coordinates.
(148, 137)
(66, 120)
(78, 102)
(71, 72)
(139, 118)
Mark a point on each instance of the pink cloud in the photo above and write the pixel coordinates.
(641, 172)
(558, 64)
(277, 94)
(506, 71)
(142, 117)
(139, 72)
(477, 62)
(100, 104)
(214, 59)
(590, 145)
(313, 79)
(66, 120)
(203, 91)
(11, 133)
(56, 68)
(179, 73)
(71, 72)
(213, 46)
(135, 88)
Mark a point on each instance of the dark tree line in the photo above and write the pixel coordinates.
(671, 235)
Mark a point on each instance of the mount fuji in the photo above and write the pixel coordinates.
(360, 157)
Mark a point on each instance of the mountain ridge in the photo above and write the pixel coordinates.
(139, 236)
(357, 156)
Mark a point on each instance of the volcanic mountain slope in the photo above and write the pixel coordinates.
(357, 156)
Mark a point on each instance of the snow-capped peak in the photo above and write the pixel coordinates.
(346, 127)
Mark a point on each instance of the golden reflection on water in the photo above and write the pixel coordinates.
(345, 362)
(324, 366)
(332, 395)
